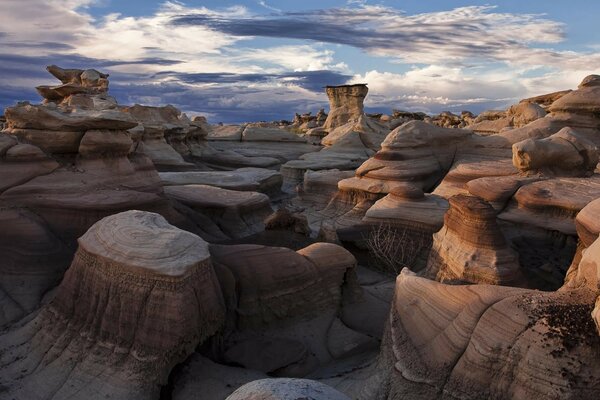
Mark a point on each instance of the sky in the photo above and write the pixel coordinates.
(264, 60)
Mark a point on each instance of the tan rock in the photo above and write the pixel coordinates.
(266, 294)
(345, 104)
(470, 247)
(27, 116)
(237, 213)
(138, 298)
(245, 179)
(49, 141)
(565, 153)
(104, 143)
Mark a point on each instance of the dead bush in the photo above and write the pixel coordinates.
(396, 247)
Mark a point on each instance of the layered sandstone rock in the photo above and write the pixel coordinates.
(74, 82)
(286, 389)
(345, 148)
(345, 104)
(139, 296)
(483, 341)
(167, 135)
(33, 261)
(545, 100)
(470, 247)
(516, 116)
(281, 305)
(245, 179)
(236, 213)
(312, 281)
(565, 154)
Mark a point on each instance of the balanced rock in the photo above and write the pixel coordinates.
(74, 81)
(138, 298)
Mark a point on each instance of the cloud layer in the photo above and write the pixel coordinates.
(211, 61)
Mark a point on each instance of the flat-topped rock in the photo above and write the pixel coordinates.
(345, 104)
(497, 190)
(276, 285)
(145, 241)
(226, 132)
(425, 213)
(215, 197)
(245, 179)
(267, 134)
(27, 116)
(237, 213)
(140, 295)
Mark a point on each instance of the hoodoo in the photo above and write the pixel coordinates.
(139, 296)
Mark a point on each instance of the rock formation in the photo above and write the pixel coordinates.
(517, 116)
(565, 154)
(236, 213)
(74, 82)
(286, 389)
(470, 247)
(345, 104)
(139, 296)
(488, 342)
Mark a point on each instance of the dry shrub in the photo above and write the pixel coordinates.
(395, 247)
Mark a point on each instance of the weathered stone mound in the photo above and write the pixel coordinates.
(345, 104)
(565, 154)
(139, 296)
(264, 293)
(236, 213)
(470, 247)
(286, 389)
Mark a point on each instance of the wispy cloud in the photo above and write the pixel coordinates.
(208, 61)
(268, 7)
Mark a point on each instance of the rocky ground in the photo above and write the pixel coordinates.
(345, 255)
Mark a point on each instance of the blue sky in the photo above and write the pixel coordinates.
(250, 60)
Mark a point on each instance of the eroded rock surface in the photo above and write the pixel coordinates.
(139, 296)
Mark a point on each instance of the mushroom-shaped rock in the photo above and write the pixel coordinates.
(471, 247)
(345, 104)
(286, 389)
(565, 154)
(138, 298)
